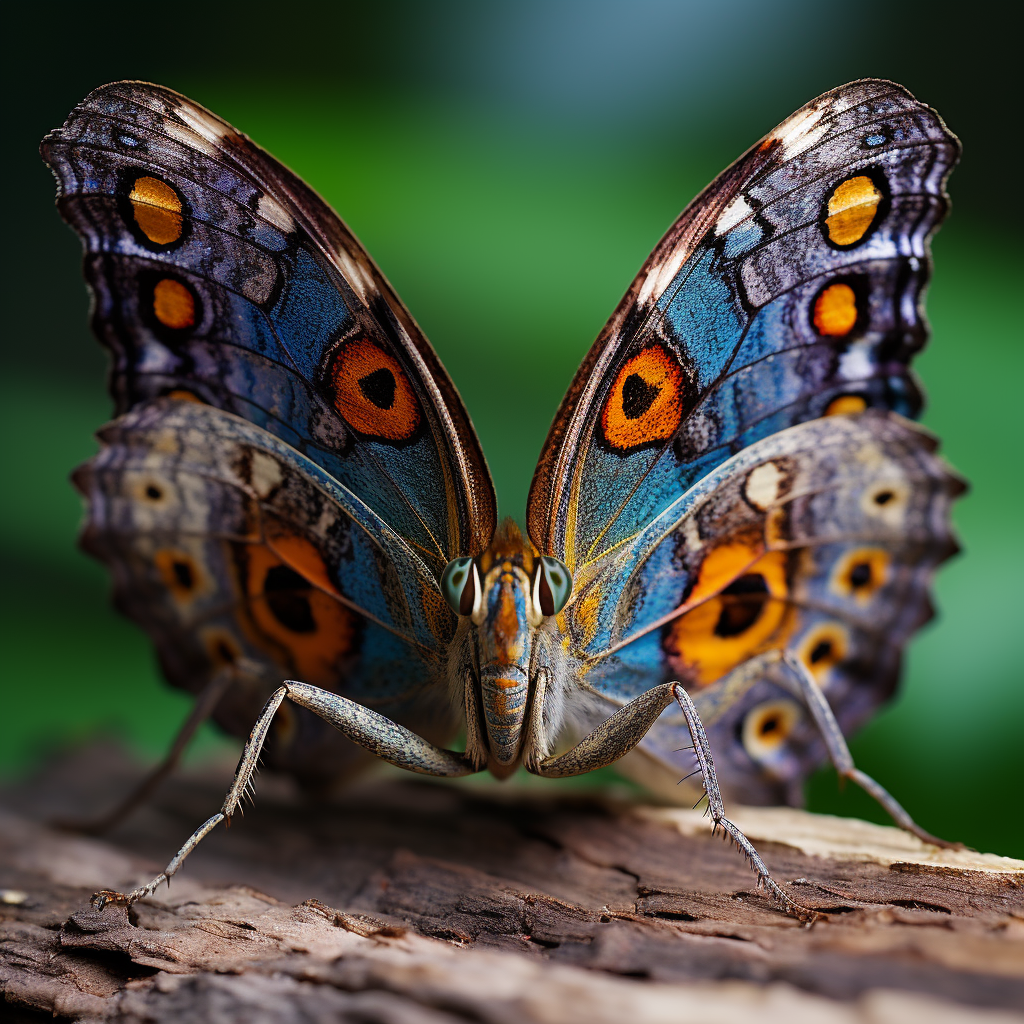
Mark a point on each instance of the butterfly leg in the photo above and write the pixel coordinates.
(388, 740)
(625, 729)
(203, 707)
(839, 753)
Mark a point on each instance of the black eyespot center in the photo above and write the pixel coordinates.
(378, 387)
(883, 497)
(860, 575)
(287, 597)
(638, 396)
(822, 650)
(769, 724)
(153, 492)
(183, 574)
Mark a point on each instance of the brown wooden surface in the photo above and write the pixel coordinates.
(409, 901)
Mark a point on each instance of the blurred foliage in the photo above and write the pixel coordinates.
(510, 166)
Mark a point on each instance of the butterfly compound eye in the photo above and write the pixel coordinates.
(552, 586)
(459, 585)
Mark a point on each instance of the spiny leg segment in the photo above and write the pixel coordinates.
(804, 686)
(379, 735)
(623, 731)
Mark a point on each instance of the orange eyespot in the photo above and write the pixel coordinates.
(851, 210)
(846, 404)
(835, 310)
(767, 727)
(221, 647)
(174, 305)
(861, 573)
(179, 572)
(824, 647)
(747, 615)
(372, 392)
(311, 631)
(646, 401)
(157, 209)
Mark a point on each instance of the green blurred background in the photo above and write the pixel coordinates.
(509, 166)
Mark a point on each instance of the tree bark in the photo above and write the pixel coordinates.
(409, 901)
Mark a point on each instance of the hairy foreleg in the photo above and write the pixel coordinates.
(625, 729)
(388, 740)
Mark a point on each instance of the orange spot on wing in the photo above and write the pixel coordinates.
(767, 726)
(646, 401)
(861, 573)
(174, 305)
(372, 392)
(185, 396)
(299, 554)
(824, 647)
(846, 404)
(835, 311)
(851, 209)
(306, 630)
(721, 566)
(180, 574)
(748, 613)
(157, 208)
(221, 646)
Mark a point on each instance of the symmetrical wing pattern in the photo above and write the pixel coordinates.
(789, 290)
(223, 285)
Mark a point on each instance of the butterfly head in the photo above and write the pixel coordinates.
(508, 594)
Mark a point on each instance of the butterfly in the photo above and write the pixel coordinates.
(730, 534)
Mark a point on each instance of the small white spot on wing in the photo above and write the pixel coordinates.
(736, 211)
(203, 124)
(800, 131)
(357, 273)
(855, 363)
(271, 210)
(187, 137)
(660, 276)
(265, 474)
(762, 486)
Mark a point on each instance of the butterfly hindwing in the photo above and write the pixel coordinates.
(822, 540)
(218, 274)
(235, 552)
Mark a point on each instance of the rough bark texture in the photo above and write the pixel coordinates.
(409, 901)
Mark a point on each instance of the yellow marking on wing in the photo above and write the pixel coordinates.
(846, 404)
(861, 573)
(851, 209)
(824, 647)
(157, 209)
(727, 629)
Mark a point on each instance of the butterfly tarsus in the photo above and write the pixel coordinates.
(716, 808)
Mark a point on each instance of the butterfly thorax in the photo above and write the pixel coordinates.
(495, 660)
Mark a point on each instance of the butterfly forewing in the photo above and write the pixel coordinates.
(750, 315)
(218, 274)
